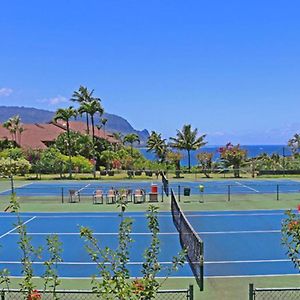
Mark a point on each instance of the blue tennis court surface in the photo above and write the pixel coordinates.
(211, 187)
(236, 243)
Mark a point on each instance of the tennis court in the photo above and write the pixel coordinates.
(87, 188)
(236, 243)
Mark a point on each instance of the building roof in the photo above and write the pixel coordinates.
(38, 136)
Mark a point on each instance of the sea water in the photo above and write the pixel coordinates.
(252, 151)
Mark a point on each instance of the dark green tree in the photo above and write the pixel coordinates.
(187, 139)
(157, 145)
(131, 138)
(66, 115)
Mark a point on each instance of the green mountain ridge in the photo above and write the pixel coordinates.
(34, 115)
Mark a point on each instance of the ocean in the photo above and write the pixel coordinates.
(252, 151)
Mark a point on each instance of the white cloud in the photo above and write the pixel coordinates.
(54, 100)
(4, 92)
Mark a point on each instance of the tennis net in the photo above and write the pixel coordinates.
(190, 241)
(165, 183)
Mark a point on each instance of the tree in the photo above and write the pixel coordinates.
(103, 123)
(187, 139)
(205, 161)
(81, 96)
(91, 108)
(157, 145)
(233, 156)
(81, 144)
(66, 115)
(131, 139)
(14, 126)
(291, 236)
(108, 157)
(294, 143)
(174, 158)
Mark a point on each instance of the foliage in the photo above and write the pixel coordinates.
(10, 167)
(187, 139)
(131, 138)
(291, 236)
(233, 156)
(52, 161)
(83, 95)
(174, 159)
(205, 162)
(115, 280)
(66, 115)
(14, 126)
(81, 164)
(81, 144)
(34, 158)
(157, 145)
(6, 144)
(13, 153)
(108, 157)
(28, 252)
(294, 143)
(51, 279)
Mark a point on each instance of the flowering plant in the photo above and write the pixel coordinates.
(34, 295)
(291, 236)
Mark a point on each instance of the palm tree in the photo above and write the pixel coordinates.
(131, 138)
(15, 127)
(187, 140)
(157, 145)
(81, 96)
(103, 123)
(65, 115)
(91, 108)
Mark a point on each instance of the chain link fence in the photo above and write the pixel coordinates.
(14, 294)
(273, 293)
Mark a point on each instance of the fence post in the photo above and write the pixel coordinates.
(277, 192)
(191, 292)
(228, 196)
(162, 193)
(62, 195)
(251, 291)
(179, 193)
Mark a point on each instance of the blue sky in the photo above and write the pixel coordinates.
(229, 68)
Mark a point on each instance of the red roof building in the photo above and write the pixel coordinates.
(40, 136)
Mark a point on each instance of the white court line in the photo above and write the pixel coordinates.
(235, 215)
(149, 233)
(16, 187)
(180, 277)
(95, 233)
(15, 262)
(84, 187)
(3, 235)
(114, 215)
(161, 262)
(241, 231)
(246, 261)
(246, 186)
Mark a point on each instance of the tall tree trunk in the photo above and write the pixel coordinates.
(69, 150)
(93, 138)
(87, 124)
(189, 160)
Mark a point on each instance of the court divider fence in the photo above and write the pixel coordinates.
(273, 293)
(16, 294)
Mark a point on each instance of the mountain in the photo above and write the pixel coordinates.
(33, 115)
